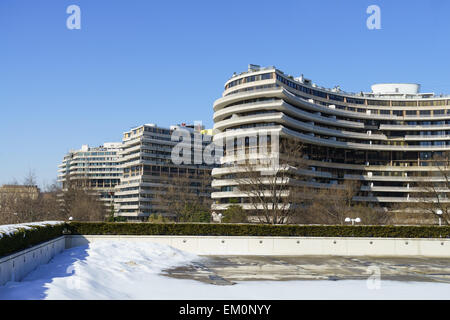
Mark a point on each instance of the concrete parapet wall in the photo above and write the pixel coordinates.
(289, 246)
(16, 266)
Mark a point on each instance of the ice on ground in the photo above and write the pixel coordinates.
(127, 269)
(9, 229)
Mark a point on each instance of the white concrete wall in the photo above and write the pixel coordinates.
(16, 266)
(289, 246)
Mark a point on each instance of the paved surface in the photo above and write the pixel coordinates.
(226, 270)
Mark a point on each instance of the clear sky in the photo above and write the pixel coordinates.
(165, 62)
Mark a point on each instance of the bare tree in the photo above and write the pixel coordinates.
(30, 179)
(332, 205)
(8, 212)
(25, 203)
(51, 197)
(184, 196)
(274, 192)
(433, 190)
(371, 214)
(20, 204)
(79, 201)
(13, 182)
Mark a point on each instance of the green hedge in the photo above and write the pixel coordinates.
(25, 238)
(208, 229)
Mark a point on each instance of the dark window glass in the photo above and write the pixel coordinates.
(335, 97)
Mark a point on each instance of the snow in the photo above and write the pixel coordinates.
(127, 269)
(9, 229)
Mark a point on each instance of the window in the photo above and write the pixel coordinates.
(234, 83)
(355, 101)
(335, 97)
(378, 103)
(432, 103)
(250, 79)
(321, 94)
(404, 103)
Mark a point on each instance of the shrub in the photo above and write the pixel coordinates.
(234, 214)
(202, 216)
(25, 238)
(156, 218)
(222, 229)
(195, 215)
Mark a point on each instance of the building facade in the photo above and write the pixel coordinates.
(96, 168)
(386, 140)
(19, 191)
(146, 162)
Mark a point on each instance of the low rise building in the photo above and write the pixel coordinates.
(19, 191)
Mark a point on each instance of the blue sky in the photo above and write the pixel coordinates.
(165, 62)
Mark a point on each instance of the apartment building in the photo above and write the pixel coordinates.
(387, 139)
(148, 168)
(96, 168)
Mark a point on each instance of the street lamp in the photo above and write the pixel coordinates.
(439, 213)
(357, 220)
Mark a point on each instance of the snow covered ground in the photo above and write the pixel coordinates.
(126, 269)
(8, 229)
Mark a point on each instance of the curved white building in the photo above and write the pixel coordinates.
(385, 139)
